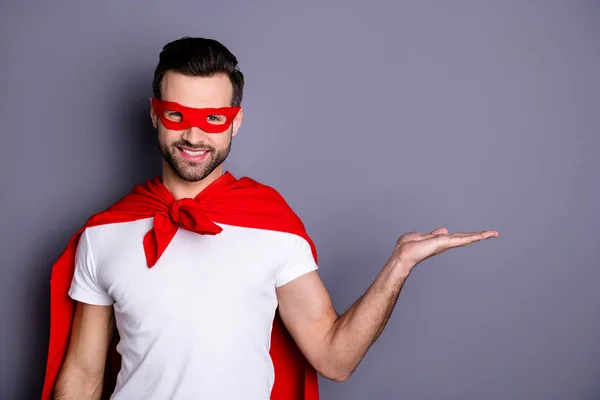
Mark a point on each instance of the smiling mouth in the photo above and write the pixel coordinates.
(193, 153)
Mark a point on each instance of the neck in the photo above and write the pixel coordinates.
(181, 189)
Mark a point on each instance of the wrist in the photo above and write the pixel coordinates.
(400, 268)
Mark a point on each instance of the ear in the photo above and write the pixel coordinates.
(237, 121)
(153, 116)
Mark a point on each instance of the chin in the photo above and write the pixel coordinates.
(193, 174)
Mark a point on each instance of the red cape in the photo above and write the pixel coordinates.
(240, 202)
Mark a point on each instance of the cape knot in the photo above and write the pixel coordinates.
(176, 208)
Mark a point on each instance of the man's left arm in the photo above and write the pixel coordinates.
(335, 345)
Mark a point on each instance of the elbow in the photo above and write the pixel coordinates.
(335, 374)
(340, 378)
(74, 382)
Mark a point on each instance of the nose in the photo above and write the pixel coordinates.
(194, 135)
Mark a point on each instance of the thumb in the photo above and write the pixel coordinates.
(440, 231)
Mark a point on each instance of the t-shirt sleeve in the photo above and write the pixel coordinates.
(85, 286)
(299, 261)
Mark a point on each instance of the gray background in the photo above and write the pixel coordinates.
(373, 119)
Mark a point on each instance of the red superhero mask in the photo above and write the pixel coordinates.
(177, 117)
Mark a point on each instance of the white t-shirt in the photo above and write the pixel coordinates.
(197, 325)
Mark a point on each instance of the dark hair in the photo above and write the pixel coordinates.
(199, 57)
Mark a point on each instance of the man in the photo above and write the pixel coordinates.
(207, 278)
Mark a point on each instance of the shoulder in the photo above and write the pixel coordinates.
(106, 238)
(288, 219)
(272, 199)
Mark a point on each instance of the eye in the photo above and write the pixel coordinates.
(216, 119)
(174, 116)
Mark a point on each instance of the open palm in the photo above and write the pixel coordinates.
(414, 247)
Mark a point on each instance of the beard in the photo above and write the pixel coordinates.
(191, 171)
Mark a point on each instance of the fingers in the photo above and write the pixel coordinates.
(442, 233)
(482, 234)
(463, 239)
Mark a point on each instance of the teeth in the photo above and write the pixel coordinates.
(194, 153)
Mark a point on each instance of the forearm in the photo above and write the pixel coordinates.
(358, 328)
(335, 345)
(74, 384)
